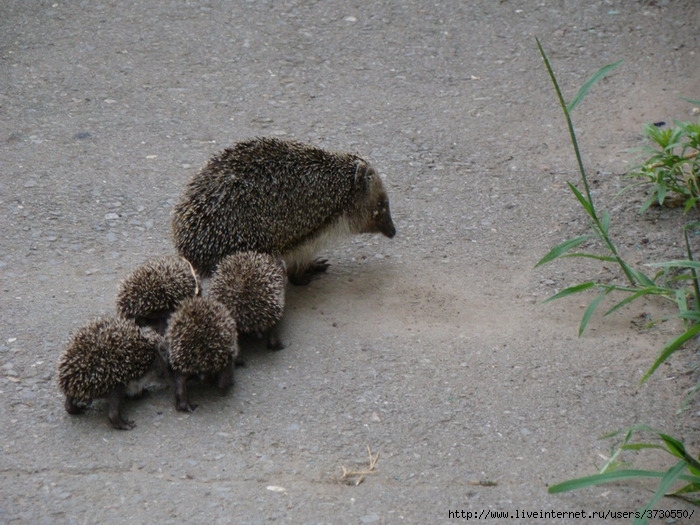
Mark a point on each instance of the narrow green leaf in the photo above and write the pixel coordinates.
(690, 488)
(640, 277)
(572, 290)
(692, 501)
(616, 433)
(681, 303)
(585, 203)
(604, 258)
(561, 249)
(634, 296)
(671, 476)
(683, 263)
(628, 432)
(647, 203)
(670, 348)
(677, 448)
(690, 315)
(674, 446)
(641, 446)
(605, 223)
(591, 308)
(587, 86)
(689, 251)
(597, 479)
(661, 194)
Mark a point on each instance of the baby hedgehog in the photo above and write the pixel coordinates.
(101, 361)
(201, 341)
(251, 285)
(278, 197)
(155, 289)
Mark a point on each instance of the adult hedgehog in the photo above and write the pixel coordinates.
(279, 197)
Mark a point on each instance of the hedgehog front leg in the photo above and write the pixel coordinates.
(72, 407)
(116, 397)
(273, 339)
(303, 275)
(182, 402)
(224, 379)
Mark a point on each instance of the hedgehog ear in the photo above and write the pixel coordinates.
(364, 173)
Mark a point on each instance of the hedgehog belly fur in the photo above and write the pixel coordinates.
(302, 256)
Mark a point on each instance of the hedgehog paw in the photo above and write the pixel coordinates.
(224, 379)
(274, 343)
(304, 275)
(72, 407)
(120, 423)
(186, 406)
(319, 265)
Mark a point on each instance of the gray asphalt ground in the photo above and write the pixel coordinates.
(432, 349)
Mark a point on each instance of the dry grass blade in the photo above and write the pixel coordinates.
(355, 477)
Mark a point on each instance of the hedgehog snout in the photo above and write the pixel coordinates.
(381, 222)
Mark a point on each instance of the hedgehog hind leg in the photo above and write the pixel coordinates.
(182, 402)
(303, 275)
(116, 398)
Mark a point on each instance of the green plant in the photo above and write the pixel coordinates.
(638, 285)
(615, 470)
(674, 166)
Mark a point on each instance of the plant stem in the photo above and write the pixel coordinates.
(593, 214)
(693, 272)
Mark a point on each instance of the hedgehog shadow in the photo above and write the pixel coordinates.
(253, 349)
(344, 281)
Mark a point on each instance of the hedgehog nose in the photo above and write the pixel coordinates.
(387, 228)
